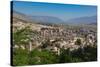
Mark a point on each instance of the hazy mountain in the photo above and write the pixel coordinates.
(92, 24)
(38, 19)
(22, 16)
(92, 20)
(84, 20)
(46, 19)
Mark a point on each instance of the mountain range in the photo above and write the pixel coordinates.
(84, 20)
(38, 19)
(55, 20)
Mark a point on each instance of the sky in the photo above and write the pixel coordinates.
(62, 11)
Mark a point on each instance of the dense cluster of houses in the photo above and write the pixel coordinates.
(61, 38)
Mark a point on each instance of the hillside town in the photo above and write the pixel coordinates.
(55, 38)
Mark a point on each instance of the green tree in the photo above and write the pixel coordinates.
(22, 37)
(78, 42)
(20, 57)
(46, 43)
(42, 57)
